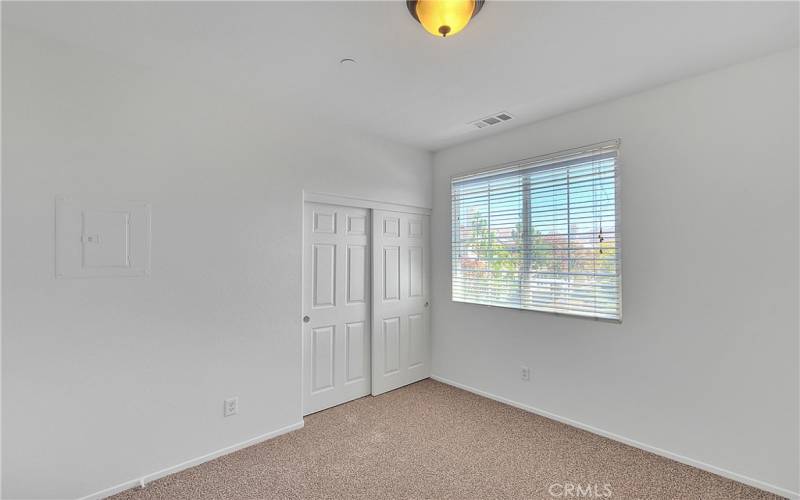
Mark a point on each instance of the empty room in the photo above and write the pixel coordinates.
(423, 249)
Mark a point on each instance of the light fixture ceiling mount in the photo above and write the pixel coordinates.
(444, 17)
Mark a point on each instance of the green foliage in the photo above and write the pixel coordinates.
(489, 256)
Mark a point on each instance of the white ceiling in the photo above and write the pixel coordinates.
(533, 59)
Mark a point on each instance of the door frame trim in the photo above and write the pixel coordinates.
(348, 201)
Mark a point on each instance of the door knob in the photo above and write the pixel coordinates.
(427, 304)
(306, 319)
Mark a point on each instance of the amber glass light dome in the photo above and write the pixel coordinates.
(444, 17)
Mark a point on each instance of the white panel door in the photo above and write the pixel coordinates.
(336, 306)
(401, 352)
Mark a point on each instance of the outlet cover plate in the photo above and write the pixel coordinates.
(231, 406)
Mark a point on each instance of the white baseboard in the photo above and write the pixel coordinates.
(631, 442)
(190, 463)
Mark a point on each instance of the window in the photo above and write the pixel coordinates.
(541, 235)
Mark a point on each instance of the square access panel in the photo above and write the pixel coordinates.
(96, 238)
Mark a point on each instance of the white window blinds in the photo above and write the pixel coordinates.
(541, 235)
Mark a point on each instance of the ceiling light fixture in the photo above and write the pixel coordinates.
(444, 17)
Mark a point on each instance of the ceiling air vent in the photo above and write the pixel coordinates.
(492, 120)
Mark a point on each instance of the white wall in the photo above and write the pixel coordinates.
(105, 380)
(705, 364)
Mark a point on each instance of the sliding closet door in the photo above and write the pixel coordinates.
(401, 293)
(336, 295)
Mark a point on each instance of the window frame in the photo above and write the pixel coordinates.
(545, 160)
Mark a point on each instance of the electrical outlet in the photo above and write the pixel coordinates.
(525, 373)
(231, 406)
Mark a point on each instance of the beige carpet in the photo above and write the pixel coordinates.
(430, 440)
